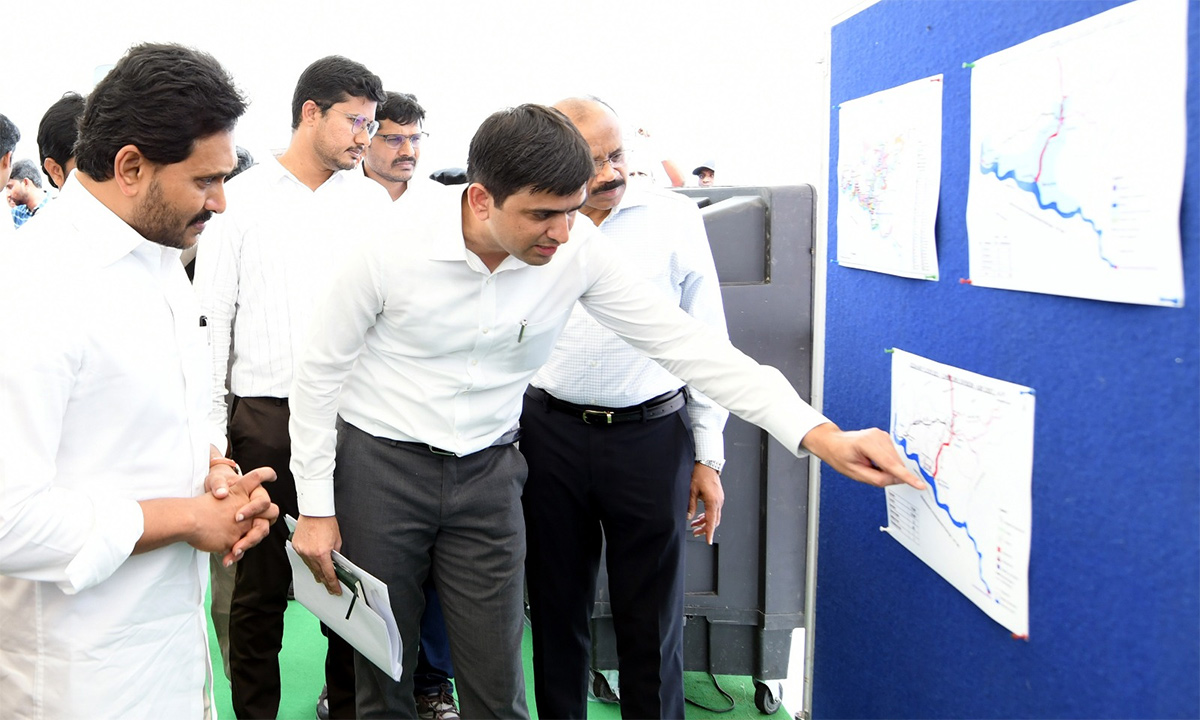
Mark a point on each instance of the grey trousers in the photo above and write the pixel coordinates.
(406, 513)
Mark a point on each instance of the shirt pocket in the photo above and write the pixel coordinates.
(527, 344)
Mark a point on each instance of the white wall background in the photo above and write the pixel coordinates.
(741, 84)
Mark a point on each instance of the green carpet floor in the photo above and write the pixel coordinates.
(304, 652)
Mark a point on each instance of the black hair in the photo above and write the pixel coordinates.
(400, 108)
(9, 136)
(161, 98)
(529, 146)
(332, 80)
(58, 130)
(26, 170)
(245, 161)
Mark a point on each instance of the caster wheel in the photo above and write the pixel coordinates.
(765, 700)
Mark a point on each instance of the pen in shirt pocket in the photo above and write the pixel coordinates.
(521, 334)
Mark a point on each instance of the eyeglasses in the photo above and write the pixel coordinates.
(616, 158)
(397, 140)
(361, 122)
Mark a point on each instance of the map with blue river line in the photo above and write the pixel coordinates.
(1077, 161)
(971, 438)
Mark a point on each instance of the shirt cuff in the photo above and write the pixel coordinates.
(217, 437)
(314, 498)
(810, 423)
(709, 446)
(116, 528)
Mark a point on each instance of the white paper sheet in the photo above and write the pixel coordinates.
(1077, 159)
(889, 175)
(371, 626)
(971, 438)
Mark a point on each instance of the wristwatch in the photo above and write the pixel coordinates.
(714, 464)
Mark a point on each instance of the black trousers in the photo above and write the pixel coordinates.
(631, 481)
(258, 436)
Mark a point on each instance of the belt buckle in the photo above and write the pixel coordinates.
(606, 414)
(439, 451)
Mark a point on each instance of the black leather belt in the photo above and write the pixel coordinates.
(655, 407)
(507, 438)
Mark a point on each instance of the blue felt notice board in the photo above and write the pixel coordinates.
(1115, 560)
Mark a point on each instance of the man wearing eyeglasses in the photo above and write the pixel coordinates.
(629, 483)
(291, 220)
(394, 152)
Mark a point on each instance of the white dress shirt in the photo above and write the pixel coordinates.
(262, 263)
(592, 366)
(105, 378)
(425, 344)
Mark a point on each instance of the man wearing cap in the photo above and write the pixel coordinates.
(706, 175)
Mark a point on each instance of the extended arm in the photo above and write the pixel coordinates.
(757, 393)
(867, 456)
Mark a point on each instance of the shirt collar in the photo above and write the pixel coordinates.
(110, 237)
(634, 196)
(279, 173)
(448, 245)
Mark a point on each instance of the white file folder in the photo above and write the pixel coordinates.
(362, 614)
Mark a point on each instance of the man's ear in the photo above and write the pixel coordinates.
(55, 172)
(310, 112)
(5, 162)
(480, 201)
(131, 170)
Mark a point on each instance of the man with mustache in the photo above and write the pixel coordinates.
(104, 370)
(406, 401)
(291, 220)
(629, 483)
(391, 161)
(394, 152)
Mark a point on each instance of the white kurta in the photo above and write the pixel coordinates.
(103, 397)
